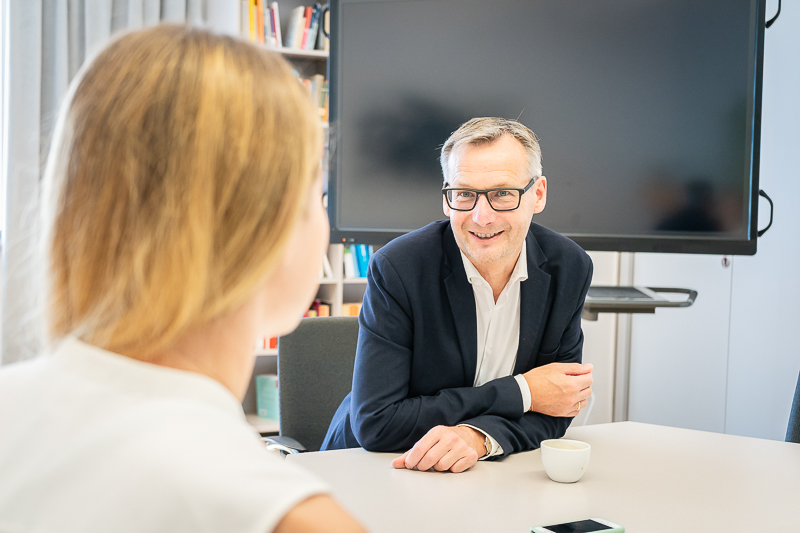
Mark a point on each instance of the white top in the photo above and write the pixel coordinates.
(92, 441)
(498, 332)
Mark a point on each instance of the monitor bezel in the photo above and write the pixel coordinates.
(694, 244)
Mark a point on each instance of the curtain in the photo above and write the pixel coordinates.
(47, 42)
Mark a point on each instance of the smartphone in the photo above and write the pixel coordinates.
(590, 525)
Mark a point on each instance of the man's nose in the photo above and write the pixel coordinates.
(483, 213)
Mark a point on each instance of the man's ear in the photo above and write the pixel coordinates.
(540, 193)
(445, 207)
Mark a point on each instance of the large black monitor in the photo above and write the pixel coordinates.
(647, 111)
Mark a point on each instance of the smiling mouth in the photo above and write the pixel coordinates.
(486, 236)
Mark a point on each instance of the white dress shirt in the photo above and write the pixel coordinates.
(498, 332)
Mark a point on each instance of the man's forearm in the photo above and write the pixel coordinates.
(384, 423)
(521, 434)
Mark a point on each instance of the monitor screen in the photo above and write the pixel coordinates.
(647, 113)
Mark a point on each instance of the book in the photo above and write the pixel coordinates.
(323, 42)
(269, 25)
(267, 400)
(294, 29)
(327, 269)
(362, 259)
(251, 11)
(276, 18)
(269, 22)
(317, 81)
(313, 27)
(351, 309)
(323, 97)
(323, 109)
(307, 20)
(324, 310)
(244, 24)
(349, 266)
(260, 21)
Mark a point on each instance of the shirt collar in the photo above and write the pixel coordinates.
(147, 380)
(520, 272)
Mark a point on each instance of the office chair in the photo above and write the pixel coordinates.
(793, 431)
(315, 373)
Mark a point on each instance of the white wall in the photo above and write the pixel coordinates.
(599, 345)
(679, 356)
(730, 363)
(764, 351)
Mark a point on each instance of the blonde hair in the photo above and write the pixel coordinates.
(177, 173)
(486, 130)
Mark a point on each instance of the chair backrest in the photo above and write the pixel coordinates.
(793, 431)
(315, 373)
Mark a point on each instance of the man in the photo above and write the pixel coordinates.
(470, 338)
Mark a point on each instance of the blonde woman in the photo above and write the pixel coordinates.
(184, 221)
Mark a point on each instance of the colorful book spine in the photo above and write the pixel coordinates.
(313, 28)
(260, 21)
(323, 43)
(323, 103)
(362, 258)
(269, 27)
(251, 9)
(294, 31)
(349, 267)
(276, 21)
(267, 399)
(349, 309)
(307, 20)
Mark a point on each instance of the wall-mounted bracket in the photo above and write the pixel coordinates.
(613, 299)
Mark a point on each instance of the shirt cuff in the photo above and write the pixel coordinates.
(526, 392)
(492, 445)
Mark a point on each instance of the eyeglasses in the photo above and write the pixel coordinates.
(499, 199)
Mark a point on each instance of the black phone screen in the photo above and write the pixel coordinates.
(581, 526)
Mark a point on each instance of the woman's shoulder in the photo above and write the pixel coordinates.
(206, 470)
(155, 460)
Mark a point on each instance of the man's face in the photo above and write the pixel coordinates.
(487, 236)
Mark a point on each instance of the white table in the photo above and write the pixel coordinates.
(647, 478)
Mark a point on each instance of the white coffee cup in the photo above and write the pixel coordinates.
(565, 460)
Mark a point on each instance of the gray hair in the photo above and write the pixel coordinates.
(486, 130)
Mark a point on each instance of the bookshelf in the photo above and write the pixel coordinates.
(292, 54)
(335, 290)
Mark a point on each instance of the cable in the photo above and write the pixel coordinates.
(588, 409)
(771, 21)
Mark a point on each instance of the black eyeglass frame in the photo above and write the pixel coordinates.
(486, 192)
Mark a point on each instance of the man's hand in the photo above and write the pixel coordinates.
(445, 448)
(558, 389)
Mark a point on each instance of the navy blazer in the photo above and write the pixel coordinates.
(417, 344)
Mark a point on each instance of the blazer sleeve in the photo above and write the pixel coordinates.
(527, 433)
(383, 417)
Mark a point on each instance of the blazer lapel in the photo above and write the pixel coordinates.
(534, 292)
(462, 305)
